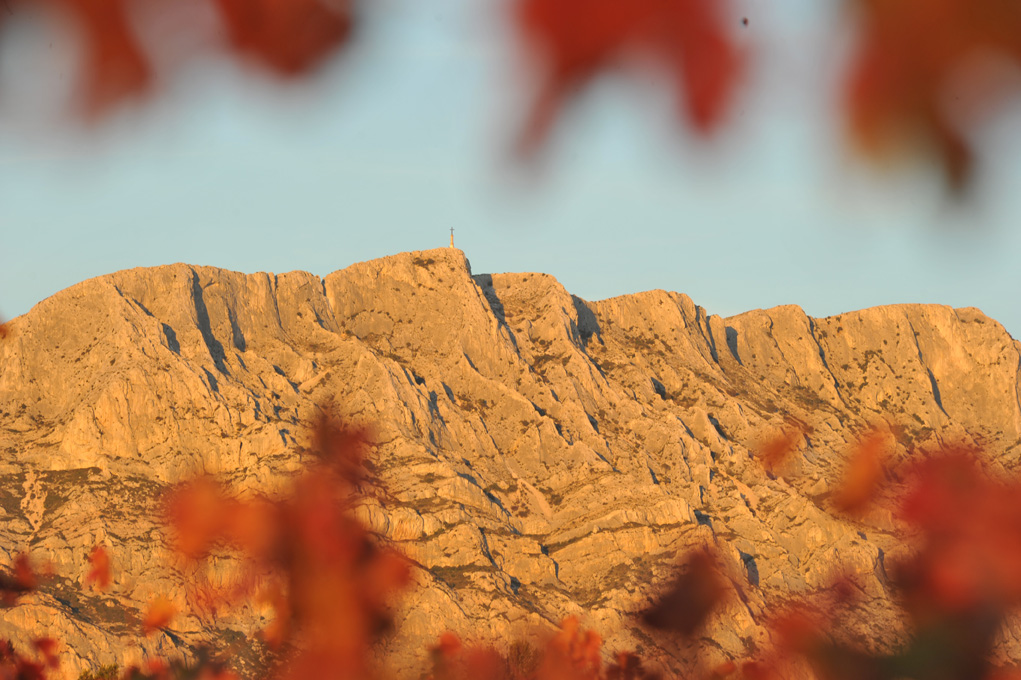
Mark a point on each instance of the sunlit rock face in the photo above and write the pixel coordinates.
(537, 455)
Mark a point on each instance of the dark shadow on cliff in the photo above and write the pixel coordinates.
(588, 324)
(485, 284)
(732, 344)
(212, 344)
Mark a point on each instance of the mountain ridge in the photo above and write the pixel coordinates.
(543, 455)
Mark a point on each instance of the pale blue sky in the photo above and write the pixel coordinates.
(409, 133)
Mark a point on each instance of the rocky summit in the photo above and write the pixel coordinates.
(541, 455)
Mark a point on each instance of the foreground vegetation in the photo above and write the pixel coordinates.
(331, 583)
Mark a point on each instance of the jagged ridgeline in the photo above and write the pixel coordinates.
(537, 455)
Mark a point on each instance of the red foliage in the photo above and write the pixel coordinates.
(698, 589)
(24, 576)
(922, 70)
(115, 65)
(572, 654)
(48, 647)
(576, 40)
(956, 587)
(777, 449)
(13, 666)
(291, 36)
(452, 661)
(329, 581)
(725, 669)
(160, 613)
(628, 666)
(863, 474)
(99, 571)
(196, 514)
(19, 581)
(204, 668)
(916, 60)
(970, 524)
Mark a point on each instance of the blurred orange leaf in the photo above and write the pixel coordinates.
(328, 580)
(798, 628)
(160, 613)
(453, 661)
(157, 668)
(290, 36)
(777, 449)
(19, 581)
(576, 40)
(969, 558)
(760, 670)
(48, 647)
(196, 513)
(628, 666)
(695, 593)
(99, 572)
(572, 654)
(341, 448)
(24, 577)
(253, 527)
(916, 60)
(725, 669)
(115, 66)
(863, 474)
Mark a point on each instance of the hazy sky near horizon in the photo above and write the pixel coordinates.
(408, 134)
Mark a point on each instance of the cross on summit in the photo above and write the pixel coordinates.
(451, 237)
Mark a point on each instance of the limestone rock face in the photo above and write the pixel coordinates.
(543, 455)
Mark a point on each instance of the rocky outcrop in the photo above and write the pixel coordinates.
(542, 455)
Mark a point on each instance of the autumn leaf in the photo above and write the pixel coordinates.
(213, 673)
(157, 668)
(970, 559)
(160, 613)
(99, 571)
(340, 447)
(925, 70)
(956, 585)
(576, 40)
(725, 669)
(115, 66)
(448, 647)
(326, 577)
(778, 448)
(196, 513)
(694, 594)
(20, 580)
(571, 654)
(253, 527)
(760, 670)
(628, 666)
(863, 474)
(24, 577)
(48, 647)
(453, 661)
(290, 36)
(799, 627)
